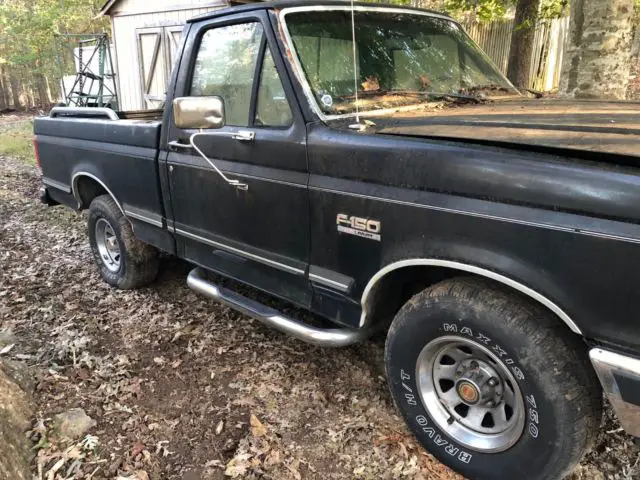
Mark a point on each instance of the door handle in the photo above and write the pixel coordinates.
(244, 136)
(176, 144)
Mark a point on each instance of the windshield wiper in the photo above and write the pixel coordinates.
(487, 87)
(438, 95)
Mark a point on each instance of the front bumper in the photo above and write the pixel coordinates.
(620, 379)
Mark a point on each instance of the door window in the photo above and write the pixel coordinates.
(225, 66)
(272, 108)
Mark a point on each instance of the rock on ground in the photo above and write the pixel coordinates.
(73, 423)
(15, 419)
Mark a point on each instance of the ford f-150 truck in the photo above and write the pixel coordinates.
(371, 165)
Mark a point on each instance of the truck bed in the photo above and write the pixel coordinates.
(81, 149)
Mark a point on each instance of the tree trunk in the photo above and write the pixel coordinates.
(597, 56)
(43, 93)
(15, 91)
(6, 97)
(3, 103)
(522, 42)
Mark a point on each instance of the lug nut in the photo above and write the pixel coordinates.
(493, 381)
(491, 403)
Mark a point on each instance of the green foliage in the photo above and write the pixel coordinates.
(29, 30)
(487, 10)
(484, 10)
(554, 8)
(16, 141)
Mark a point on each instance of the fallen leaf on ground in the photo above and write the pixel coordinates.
(219, 427)
(257, 428)
(137, 449)
(137, 475)
(238, 465)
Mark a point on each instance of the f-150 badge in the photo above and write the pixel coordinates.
(361, 227)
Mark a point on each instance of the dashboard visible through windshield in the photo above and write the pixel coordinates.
(402, 59)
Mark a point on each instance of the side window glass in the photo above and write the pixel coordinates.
(272, 108)
(225, 66)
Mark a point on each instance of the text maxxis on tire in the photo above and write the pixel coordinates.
(123, 261)
(506, 394)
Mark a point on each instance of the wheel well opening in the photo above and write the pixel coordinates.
(395, 289)
(87, 189)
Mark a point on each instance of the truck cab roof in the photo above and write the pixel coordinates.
(279, 4)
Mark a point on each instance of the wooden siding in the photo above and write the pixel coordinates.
(129, 7)
(125, 35)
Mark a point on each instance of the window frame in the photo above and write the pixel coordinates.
(194, 41)
(196, 50)
(297, 70)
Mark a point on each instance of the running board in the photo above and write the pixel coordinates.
(324, 337)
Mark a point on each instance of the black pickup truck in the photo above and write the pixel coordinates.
(371, 165)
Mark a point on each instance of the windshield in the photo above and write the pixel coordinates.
(402, 59)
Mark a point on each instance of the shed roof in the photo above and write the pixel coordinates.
(109, 7)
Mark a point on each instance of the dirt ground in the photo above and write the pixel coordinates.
(183, 388)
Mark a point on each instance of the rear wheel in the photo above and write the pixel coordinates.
(123, 261)
(491, 384)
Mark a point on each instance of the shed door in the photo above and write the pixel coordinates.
(156, 52)
(172, 35)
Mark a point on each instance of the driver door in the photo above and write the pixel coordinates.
(260, 235)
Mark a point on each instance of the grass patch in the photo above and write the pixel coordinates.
(16, 140)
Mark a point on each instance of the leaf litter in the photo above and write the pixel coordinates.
(183, 388)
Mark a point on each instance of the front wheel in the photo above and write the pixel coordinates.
(490, 383)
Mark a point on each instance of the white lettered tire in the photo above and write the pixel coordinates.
(491, 384)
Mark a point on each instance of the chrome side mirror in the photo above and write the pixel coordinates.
(198, 112)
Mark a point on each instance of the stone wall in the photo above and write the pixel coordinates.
(15, 419)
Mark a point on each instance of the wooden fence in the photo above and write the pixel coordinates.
(548, 47)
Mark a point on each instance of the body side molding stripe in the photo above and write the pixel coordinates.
(144, 218)
(55, 184)
(328, 282)
(433, 262)
(243, 253)
(482, 215)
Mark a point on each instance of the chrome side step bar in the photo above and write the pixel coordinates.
(324, 337)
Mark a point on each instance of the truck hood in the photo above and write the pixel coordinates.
(593, 126)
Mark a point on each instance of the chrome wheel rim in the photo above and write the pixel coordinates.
(108, 246)
(470, 394)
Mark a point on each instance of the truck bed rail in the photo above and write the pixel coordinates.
(92, 112)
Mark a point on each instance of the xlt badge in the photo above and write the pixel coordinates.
(361, 227)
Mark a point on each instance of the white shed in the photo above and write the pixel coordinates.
(146, 35)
